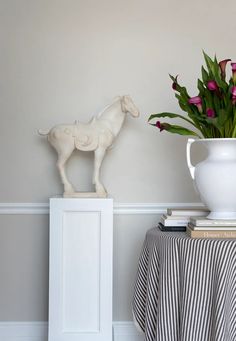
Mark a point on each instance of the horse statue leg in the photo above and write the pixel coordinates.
(62, 159)
(98, 158)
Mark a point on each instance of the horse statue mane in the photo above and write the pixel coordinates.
(97, 135)
(115, 99)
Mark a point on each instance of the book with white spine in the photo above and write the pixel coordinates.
(177, 220)
(174, 217)
(174, 221)
(211, 228)
(188, 211)
(203, 221)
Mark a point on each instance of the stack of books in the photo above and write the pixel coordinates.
(177, 219)
(201, 227)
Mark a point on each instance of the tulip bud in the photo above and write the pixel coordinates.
(222, 66)
(196, 101)
(210, 113)
(159, 125)
(175, 83)
(212, 85)
(234, 72)
(233, 91)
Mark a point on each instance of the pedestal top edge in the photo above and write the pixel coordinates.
(80, 199)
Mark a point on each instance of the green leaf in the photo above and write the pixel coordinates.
(208, 98)
(214, 71)
(217, 102)
(209, 61)
(205, 76)
(223, 117)
(175, 129)
(182, 103)
(184, 93)
(200, 86)
(214, 122)
(170, 115)
(172, 77)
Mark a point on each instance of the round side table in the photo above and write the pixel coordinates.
(186, 288)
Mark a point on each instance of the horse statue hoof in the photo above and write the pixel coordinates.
(101, 191)
(102, 194)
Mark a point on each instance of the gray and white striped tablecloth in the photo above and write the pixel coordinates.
(186, 288)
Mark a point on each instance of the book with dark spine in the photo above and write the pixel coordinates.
(171, 228)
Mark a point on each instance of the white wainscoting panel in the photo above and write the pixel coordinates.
(80, 281)
(38, 331)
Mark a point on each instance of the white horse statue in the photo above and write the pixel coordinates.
(97, 135)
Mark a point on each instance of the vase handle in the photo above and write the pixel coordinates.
(190, 166)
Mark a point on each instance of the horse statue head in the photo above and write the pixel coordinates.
(128, 106)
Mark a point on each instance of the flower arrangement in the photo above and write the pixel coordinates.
(213, 111)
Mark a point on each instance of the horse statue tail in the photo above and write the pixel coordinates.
(43, 133)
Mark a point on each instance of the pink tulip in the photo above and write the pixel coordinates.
(159, 125)
(233, 91)
(222, 66)
(196, 101)
(233, 65)
(175, 83)
(212, 85)
(210, 113)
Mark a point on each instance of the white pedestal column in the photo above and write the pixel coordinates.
(80, 276)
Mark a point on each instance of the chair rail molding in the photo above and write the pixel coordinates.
(119, 208)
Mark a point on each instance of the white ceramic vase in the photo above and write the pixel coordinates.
(215, 177)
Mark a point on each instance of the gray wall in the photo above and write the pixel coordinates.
(63, 60)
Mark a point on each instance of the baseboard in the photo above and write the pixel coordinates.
(119, 208)
(38, 331)
(23, 331)
(126, 331)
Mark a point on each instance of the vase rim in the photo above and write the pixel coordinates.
(216, 139)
